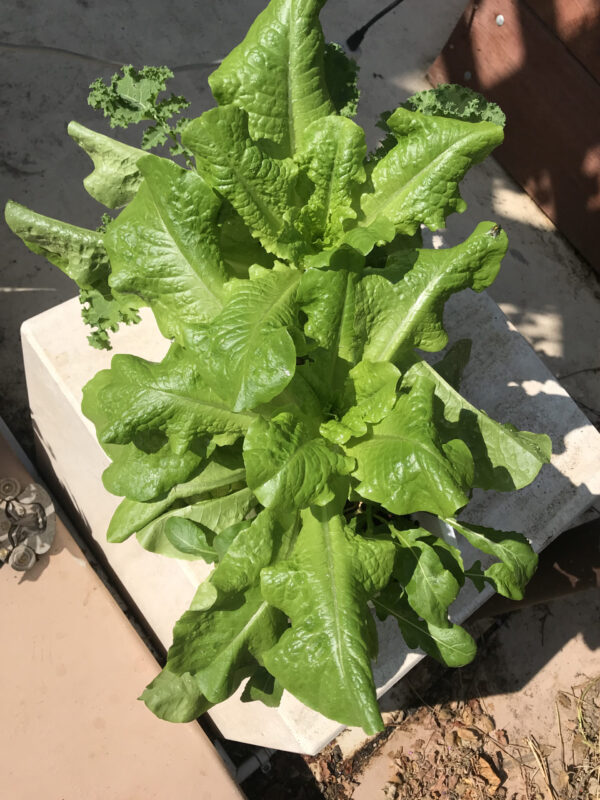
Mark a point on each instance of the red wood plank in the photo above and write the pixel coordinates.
(552, 145)
(577, 24)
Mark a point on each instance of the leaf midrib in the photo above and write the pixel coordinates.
(396, 342)
(167, 227)
(527, 446)
(506, 556)
(335, 605)
(415, 552)
(404, 189)
(411, 624)
(190, 401)
(257, 326)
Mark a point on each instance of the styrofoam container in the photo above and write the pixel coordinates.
(504, 377)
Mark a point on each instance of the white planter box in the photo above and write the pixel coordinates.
(504, 377)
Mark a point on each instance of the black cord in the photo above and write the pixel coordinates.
(61, 51)
(354, 41)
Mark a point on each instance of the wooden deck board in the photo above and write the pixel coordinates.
(552, 145)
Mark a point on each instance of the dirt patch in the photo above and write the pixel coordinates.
(454, 751)
(459, 754)
(582, 775)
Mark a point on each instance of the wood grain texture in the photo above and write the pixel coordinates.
(577, 25)
(552, 103)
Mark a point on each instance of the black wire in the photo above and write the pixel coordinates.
(354, 41)
(61, 51)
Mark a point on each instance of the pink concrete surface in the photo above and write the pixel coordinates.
(71, 668)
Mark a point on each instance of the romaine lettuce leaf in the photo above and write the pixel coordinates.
(292, 425)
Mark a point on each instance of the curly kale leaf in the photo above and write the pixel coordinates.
(132, 97)
(456, 102)
(104, 313)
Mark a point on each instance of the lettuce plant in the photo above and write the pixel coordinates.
(294, 429)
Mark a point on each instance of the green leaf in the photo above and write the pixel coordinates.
(325, 373)
(116, 177)
(288, 462)
(518, 561)
(222, 638)
(224, 644)
(262, 686)
(175, 698)
(416, 182)
(277, 74)
(327, 297)
(81, 255)
(365, 237)
(253, 547)
(250, 353)
(104, 311)
(324, 658)
(226, 538)
(238, 247)
(153, 137)
(341, 75)
(505, 458)
(191, 500)
(170, 396)
(456, 102)
(78, 252)
(452, 646)
(403, 465)
(369, 395)
(189, 538)
(451, 367)
(164, 247)
(260, 188)
(147, 474)
(147, 470)
(430, 571)
(332, 155)
(356, 243)
(299, 397)
(214, 515)
(133, 97)
(401, 306)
